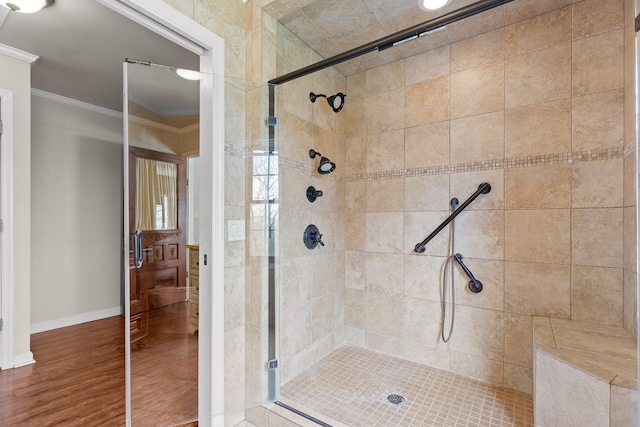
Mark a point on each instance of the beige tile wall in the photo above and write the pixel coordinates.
(549, 111)
(630, 293)
(310, 282)
(229, 20)
(260, 67)
(536, 108)
(536, 99)
(590, 407)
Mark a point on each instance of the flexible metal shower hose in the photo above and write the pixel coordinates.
(448, 262)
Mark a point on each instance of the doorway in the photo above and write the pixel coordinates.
(6, 230)
(168, 21)
(2, 288)
(172, 25)
(157, 222)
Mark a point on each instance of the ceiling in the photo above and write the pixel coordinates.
(331, 27)
(81, 46)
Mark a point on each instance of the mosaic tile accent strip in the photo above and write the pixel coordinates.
(549, 159)
(305, 168)
(235, 150)
(351, 385)
(520, 162)
(630, 148)
(296, 166)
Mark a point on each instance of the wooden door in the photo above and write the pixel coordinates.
(160, 215)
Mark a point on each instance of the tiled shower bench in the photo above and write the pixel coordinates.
(583, 374)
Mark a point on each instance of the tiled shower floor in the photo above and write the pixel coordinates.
(351, 386)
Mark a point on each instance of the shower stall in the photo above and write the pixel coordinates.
(346, 310)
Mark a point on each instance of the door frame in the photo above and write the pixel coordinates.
(169, 22)
(6, 245)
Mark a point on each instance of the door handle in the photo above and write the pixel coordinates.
(137, 248)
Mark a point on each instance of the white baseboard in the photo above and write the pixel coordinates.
(23, 359)
(75, 320)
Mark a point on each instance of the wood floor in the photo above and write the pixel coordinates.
(164, 374)
(78, 379)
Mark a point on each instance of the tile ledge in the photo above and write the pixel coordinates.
(546, 341)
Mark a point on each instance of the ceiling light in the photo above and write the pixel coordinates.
(432, 4)
(26, 6)
(188, 74)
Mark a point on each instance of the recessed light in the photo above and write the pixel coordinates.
(432, 4)
(26, 6)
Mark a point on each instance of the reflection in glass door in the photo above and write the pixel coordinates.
(2, 284)
(161, 124)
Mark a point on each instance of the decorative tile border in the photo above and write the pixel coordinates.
(305, 168)
(518, 162)
(295, 166)
(234, 150)
(630, 148)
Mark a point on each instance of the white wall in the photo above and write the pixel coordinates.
(15, 75)
(76, 223)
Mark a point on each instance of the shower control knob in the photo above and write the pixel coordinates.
(312, 237)
(313, 194)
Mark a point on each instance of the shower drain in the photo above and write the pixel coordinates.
(396, 399)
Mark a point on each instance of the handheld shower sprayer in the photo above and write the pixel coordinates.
(475, 285)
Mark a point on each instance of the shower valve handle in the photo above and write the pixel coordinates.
(312, 237)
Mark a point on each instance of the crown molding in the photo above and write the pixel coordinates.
(160, 111)
(112, 113)
(162, 126)
(18, 54)
(75, 103)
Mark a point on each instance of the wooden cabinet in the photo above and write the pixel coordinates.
(194, 288)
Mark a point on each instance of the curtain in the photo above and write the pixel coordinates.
(156, 195)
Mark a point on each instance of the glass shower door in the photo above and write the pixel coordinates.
(161, 109)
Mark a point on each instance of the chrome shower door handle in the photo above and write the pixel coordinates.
(137, 248)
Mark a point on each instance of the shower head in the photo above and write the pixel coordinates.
(326, 166)
(335, 101)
